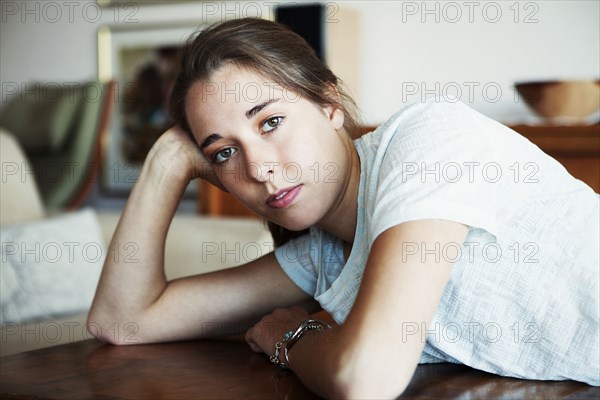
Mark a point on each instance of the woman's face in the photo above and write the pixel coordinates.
(262, 140)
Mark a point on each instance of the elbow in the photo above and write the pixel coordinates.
(96, 325)
(99, 330)
(111, 331)
(369, 379)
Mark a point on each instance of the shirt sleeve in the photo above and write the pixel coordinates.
(295, 259)
(312, 261)
(437, 163)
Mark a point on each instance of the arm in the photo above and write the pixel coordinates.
(137, 296)
(366, 357)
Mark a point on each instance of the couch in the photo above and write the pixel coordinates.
(51, 261)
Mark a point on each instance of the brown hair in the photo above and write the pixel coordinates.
(271, 50)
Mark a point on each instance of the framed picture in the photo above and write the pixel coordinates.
(143, 61)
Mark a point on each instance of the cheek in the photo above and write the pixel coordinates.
(231, 181)
(331, 165)
(237, 190)
(307, 159)
(236, 181)
(232, 172)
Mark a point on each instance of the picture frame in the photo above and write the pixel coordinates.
(143, 62)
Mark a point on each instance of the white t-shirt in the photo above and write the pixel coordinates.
(523, 296)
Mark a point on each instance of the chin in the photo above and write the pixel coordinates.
(296, 227)
(299, 223)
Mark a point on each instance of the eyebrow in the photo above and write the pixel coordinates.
(252, 112)
(214, 137)
(249, 114)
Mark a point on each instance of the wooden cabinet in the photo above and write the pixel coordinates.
(576, 147)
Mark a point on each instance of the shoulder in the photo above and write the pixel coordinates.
(424, 160)
(424, 124)
(435, 115)
(432, 108)
(438, 125)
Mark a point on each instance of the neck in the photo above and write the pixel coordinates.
(341, 220)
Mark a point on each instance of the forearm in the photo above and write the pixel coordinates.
(315, 360)
(129, 285)
(334, 364)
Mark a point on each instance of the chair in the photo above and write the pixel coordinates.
(62, 129)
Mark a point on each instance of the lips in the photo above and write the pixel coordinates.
(284, 197)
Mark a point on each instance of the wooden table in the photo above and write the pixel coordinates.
(224, 370)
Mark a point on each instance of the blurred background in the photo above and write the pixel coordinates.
(389, 53)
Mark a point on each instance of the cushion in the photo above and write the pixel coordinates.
(26, 336)
(20, 199)
(51, 267)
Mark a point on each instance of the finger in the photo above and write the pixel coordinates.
(254, 348)
(250, 339)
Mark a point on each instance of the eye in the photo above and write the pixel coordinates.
(224, 155)
(271, 124)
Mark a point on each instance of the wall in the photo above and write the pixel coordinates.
(473, 49)
(406, 50)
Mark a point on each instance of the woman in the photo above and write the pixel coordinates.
(441, 236)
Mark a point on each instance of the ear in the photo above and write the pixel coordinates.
(333, 111)
(335, 115)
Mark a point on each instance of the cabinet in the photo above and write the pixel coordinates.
(576, 147)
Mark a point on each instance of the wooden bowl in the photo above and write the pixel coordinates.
(571, 100)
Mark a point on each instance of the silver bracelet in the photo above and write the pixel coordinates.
(290, 338)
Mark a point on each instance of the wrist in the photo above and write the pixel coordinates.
(164, 172)
(176, 156)
(290, 338)
(157, 192)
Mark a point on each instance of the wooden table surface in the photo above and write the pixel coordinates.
(224, 370)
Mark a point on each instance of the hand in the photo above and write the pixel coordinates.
(178, 153)
(270, 329)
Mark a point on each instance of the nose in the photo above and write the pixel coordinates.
(261, 172)
(259, 167)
